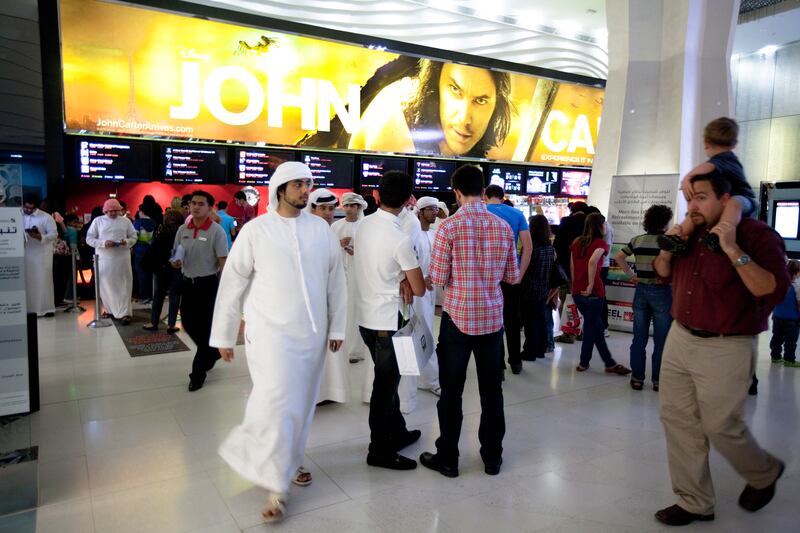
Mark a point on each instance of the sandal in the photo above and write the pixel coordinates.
(302, 477)
(637, 384)
(581, 368)
(275, 511)
(618, 370)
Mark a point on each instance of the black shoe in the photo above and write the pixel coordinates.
(49, 315)
(525, 357)
(712, 243)
(431, 460)
(516, 369)
(395, 462)
(173, 329)
(494, 468)
(125, 321)
(150, 328)
(753, 390)
(753, 499)
(407, 440)
(672, 243)
(678, 516)
(194, 385)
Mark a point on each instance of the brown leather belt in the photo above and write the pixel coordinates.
(703, 334)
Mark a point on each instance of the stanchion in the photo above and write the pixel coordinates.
(99, 321)
(74, 307)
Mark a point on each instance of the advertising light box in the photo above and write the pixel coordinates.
(137, 71)
(255, 167)
(112, 159)
(541, 181)
(332, 171)
(193, 164)
(510, 178)
(575, 182)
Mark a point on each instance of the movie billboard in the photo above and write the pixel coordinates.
(136, 71)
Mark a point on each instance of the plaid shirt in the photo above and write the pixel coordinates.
(473, 252)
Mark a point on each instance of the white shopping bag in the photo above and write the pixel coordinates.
(413, 346)
(571, 319)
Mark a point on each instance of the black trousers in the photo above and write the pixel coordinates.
(386, 422)
(197, 312)
(534, 318)
(168, 283)
(512, 321)
(62, 271)
(453, 350)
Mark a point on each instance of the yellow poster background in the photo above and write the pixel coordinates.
(122, 73)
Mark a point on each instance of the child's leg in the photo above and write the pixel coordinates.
(776, 342)
(790, 344)
(732, 214)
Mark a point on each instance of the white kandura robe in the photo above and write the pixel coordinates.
(425, 307)
(335, 385)
(353, 343)
(114, 264)
(286, 276)
(39, 263)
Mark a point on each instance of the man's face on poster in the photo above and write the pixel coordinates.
(467, 98)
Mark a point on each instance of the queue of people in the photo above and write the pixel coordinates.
(315, 295)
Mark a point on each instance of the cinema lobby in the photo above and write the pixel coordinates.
(506, 187)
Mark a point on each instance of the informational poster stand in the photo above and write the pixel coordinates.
(14, 368)
(631, 196)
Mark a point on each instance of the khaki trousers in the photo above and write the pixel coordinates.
(703, 387)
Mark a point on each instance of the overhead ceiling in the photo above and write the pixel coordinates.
(568, 35)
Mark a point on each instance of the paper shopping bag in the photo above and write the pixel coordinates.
(413, 346)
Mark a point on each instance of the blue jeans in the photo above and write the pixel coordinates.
(650, 302)
(591, 307)
(784, 338)
(453, 350)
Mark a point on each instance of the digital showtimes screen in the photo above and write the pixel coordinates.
(113, 160)
(372, 168)
(193, 164)
(541, 181)
(575, 182)
(255, 167)
(433, 174)
(507, 177)
(332, 171)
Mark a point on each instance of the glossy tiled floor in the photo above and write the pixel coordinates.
(125, 448)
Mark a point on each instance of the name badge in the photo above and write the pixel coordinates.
(204, 239)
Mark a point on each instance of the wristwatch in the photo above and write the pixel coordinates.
(743, 260)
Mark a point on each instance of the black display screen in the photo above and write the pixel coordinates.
(113, 160)
(541, 181)
(194, 164)
(510, 178)
(372, 168)
(255, 167)
(332, 171)
(433, 174)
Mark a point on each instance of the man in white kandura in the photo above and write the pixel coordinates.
(40, 234)
(113, 236)
(424, 306)
(285, 273)
(345, 229)
(335, 386)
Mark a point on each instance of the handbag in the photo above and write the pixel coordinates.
(413, 346)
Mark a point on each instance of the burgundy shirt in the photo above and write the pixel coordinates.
(708, 294)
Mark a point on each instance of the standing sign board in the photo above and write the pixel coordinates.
(631, 196)
(14, 384)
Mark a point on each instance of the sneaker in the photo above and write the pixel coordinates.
(673, 243)
(791, 364)
(566, 338)
(777, 360)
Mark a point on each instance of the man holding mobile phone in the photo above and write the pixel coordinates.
(40, 234)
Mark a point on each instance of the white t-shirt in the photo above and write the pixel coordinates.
(384, 253)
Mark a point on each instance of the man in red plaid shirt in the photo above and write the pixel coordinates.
(473, 252)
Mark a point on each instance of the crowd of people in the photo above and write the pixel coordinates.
(317, 295)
